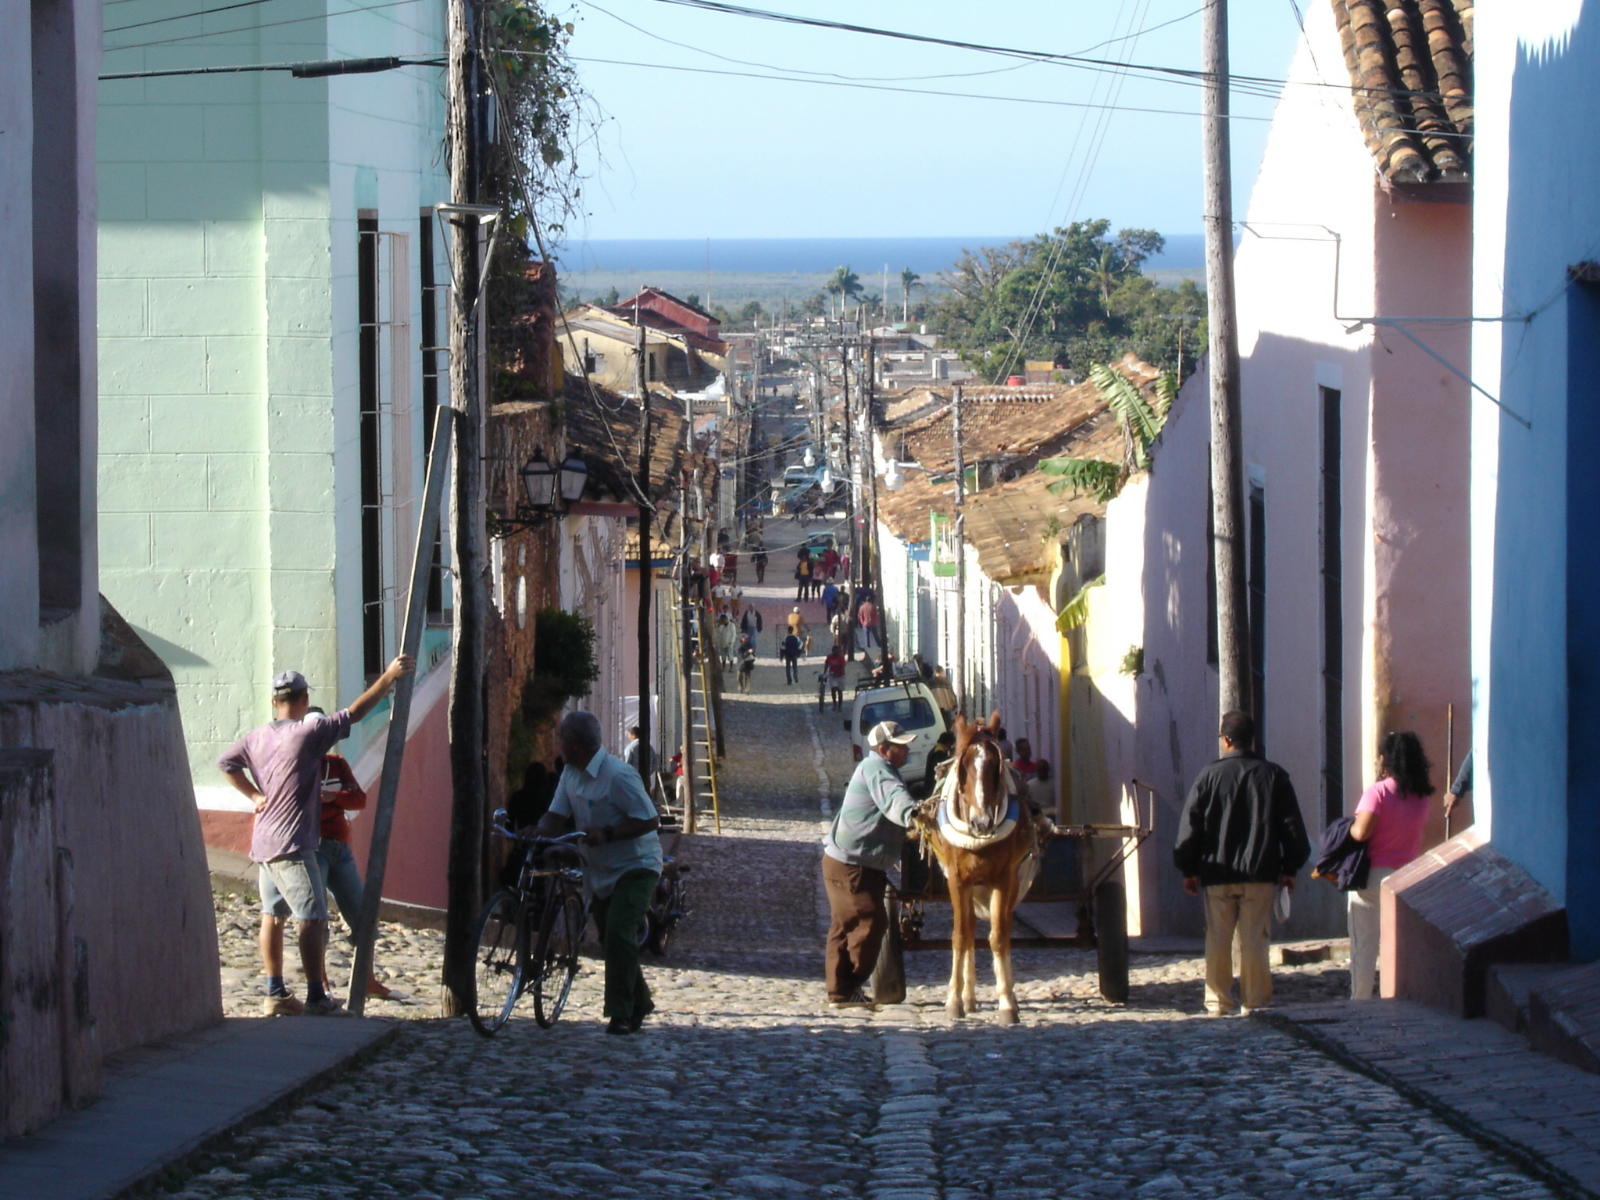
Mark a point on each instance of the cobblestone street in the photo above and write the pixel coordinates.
(744, 1084)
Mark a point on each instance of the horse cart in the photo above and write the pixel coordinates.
(1080, 870)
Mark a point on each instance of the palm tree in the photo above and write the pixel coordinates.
(845, 284)
(1141, 418)
(908, 280)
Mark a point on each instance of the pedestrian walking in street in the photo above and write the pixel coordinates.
(638, 755)
(747, 664)
(802, 575)
(599, 795)
(759, 561)
(751, 622)
(862, 843)
(1389, 819)
(833, 668)
(830, 597)
(789, 651)
(726, 637)
(278, 768)
(839, 627)
(1240, 837)
(867, 624)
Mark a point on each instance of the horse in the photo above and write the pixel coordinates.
(980, 829)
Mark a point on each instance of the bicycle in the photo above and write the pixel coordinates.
(669, 904)
(530, 933)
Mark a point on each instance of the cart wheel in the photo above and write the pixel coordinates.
(1111, 939)
(888, 982)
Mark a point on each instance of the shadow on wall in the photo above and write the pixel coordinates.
(1174, 732)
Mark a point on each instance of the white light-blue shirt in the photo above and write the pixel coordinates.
(603, 793)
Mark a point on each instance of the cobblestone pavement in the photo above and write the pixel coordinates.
(744, 1085)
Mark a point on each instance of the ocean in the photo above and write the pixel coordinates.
(811, 256)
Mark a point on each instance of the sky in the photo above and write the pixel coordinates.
(679, 154)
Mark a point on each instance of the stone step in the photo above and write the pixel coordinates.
(1564, 1016)
(1510, 985)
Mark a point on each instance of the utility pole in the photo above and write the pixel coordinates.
(646, 573)
(466, 720)
(958, 676)
(1227, 485)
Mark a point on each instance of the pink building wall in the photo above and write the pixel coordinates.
(1323, 244)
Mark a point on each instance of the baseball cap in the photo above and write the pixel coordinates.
(285, 682)
(888, 731)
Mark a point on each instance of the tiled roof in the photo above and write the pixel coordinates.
(1410, 62)
(1010, 525)
(604, 428)
(1014, 422)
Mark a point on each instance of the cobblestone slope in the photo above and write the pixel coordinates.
(744, 1085)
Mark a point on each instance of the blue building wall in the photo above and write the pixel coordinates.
(1536, 498)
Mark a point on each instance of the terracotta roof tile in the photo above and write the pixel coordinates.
(1410, 62)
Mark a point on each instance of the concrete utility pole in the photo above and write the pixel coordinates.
(466, 720)
(958, 674)
(1227, 484)
(646, 574)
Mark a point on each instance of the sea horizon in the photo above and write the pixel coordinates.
(809, 256)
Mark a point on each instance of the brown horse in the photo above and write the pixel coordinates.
(983, 835)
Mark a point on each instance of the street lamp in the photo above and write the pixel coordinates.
(549, 490)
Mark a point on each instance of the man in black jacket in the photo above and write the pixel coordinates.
(1240, 837)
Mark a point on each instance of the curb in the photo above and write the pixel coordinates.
(1522, 1157)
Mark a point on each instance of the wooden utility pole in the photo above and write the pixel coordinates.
(646, 572)
(958, 674)
(466, 721)
(1227, 484)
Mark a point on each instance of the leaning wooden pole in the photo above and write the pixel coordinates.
(1227, 484)
(365, 925)
(466, 720)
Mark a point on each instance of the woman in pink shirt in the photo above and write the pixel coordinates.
(1389, 819)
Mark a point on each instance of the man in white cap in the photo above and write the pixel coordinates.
(861, 845)
(284, 763)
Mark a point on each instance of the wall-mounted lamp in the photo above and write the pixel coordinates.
(549, 489)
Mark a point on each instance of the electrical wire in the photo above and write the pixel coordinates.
(204, 12)
(1192, 75)
(264, 24)
(1165, 112)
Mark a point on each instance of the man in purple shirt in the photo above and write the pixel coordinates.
(283, 759)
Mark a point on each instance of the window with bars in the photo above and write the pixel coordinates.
(387, 470)
(1332, 607)
(1258, 611)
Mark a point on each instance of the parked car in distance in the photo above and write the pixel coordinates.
(909, 701)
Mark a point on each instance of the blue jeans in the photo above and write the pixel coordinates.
(340, 879)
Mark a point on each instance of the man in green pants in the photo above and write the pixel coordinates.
(601, 795)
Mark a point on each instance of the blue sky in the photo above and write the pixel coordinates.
(688, 155)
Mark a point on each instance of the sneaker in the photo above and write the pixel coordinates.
(856, 999)
(281, 1006)
(326, 1007)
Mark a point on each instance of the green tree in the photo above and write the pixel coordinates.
(908, 280)
(845, 284)
(1056, 297)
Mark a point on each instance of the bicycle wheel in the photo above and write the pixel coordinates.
(555, 962)
(502, 959)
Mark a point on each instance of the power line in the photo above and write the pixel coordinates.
(614, 62)
(189, 37)
(1188, 74)
(204, 12)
